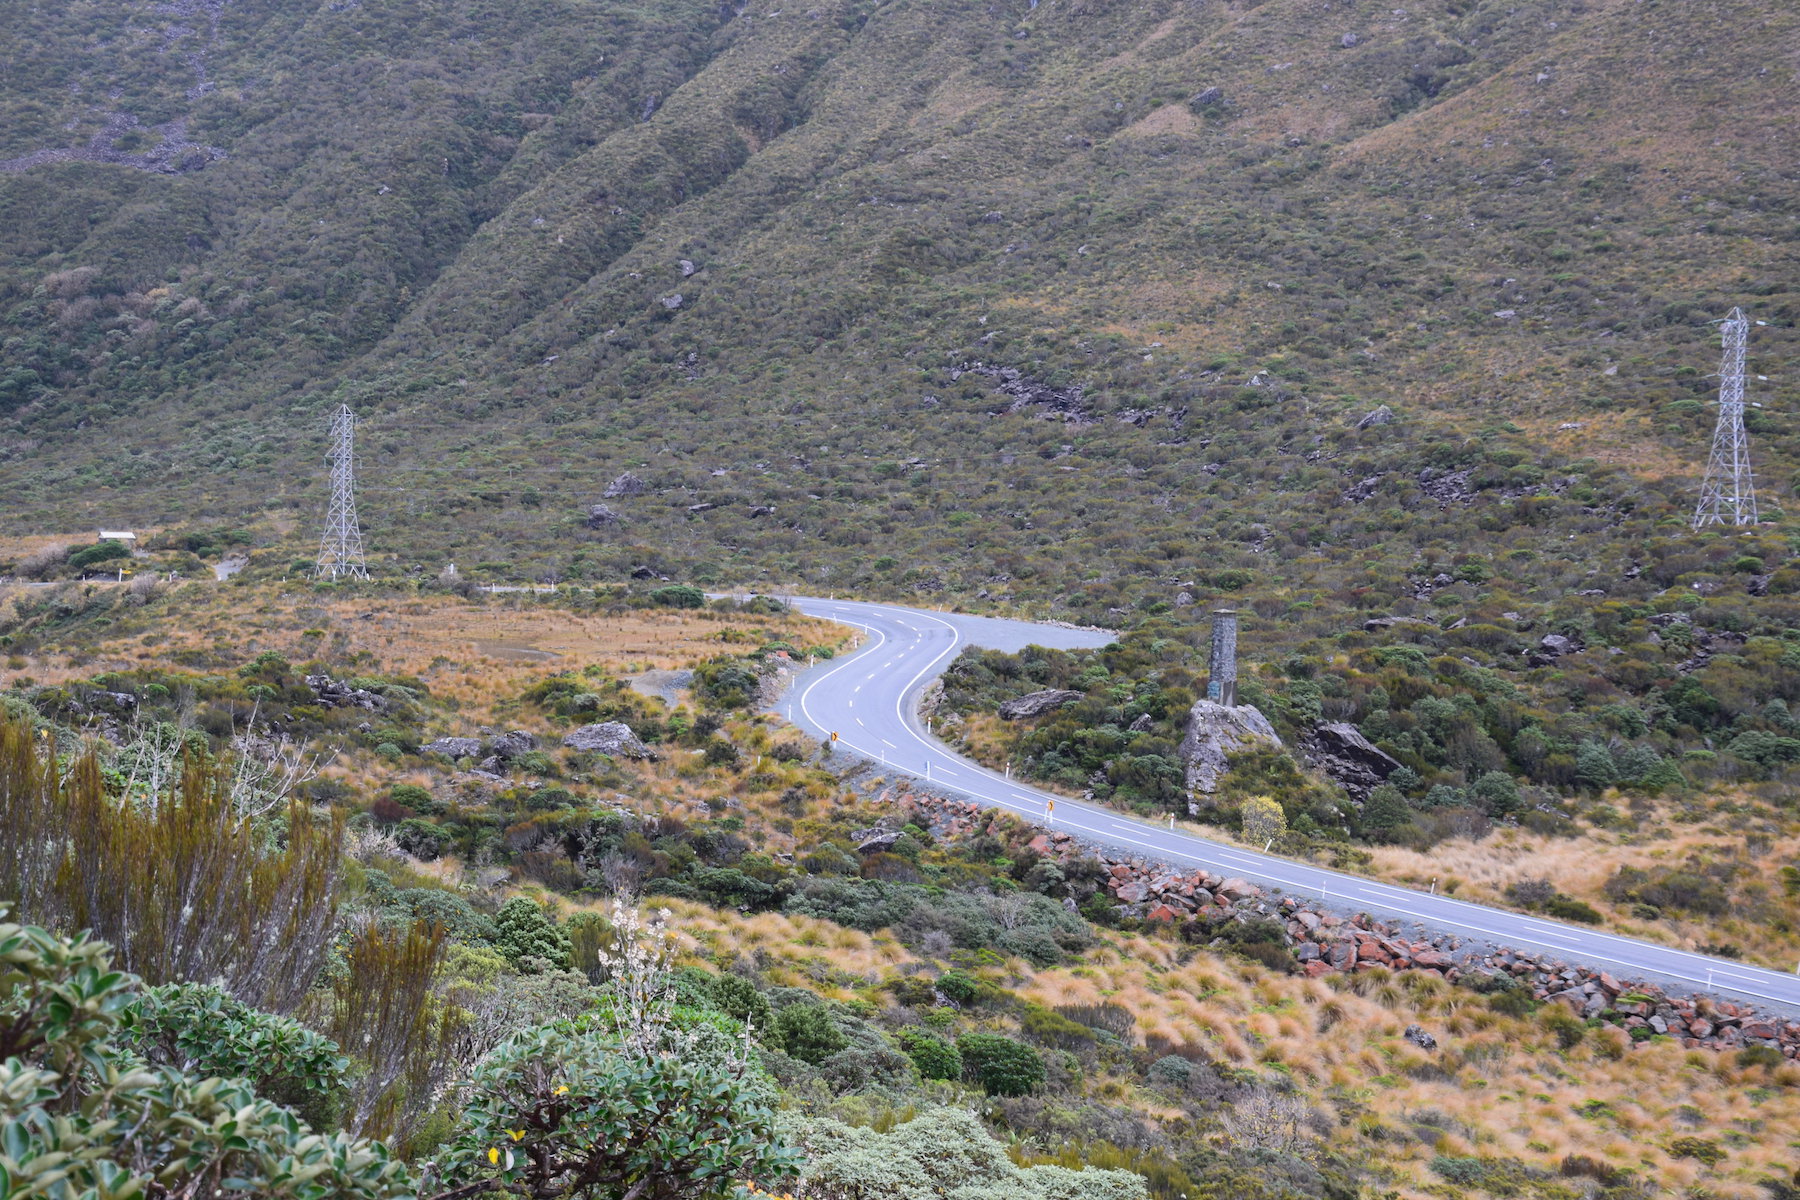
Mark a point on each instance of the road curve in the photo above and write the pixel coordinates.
(869, 698)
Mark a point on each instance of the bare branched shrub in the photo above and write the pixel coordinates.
(1269, 1121)
(41, 562)
(620, 873)
(269, 770)
(371, 846)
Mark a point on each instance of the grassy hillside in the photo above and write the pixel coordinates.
(1208, 237)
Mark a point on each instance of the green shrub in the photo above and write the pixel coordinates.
(550, 1104)
(1760, 1056)
(419, 799)
(1701, 1150)
(202, 1029)
(1571, 909)
(1000, 1065)
(932, 1055)
(85, 1117)
(961, 990)
(679, 595)
(421, 839)
(737, 997)
(1568, 1028)
(1052, 1028)
(99, 552)
(1171, 1070)
(527, 937)
(806, 1032)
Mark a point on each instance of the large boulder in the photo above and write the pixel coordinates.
(1215, 732)
(1037, 704)
(454, 747)
(627, 484)
(613, 738)
(878, 840)
(512, 744)
(1551, 647)
(1350, 759)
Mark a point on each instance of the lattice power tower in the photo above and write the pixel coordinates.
(341, 547)
(1728, 494)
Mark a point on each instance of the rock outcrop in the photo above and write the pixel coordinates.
(1551, 647)
(333, 694)
(612, 738)
(1215, 732)
(1037, 704)
(1348, 758)
(627, 484)
(877, 840)
(454, 747)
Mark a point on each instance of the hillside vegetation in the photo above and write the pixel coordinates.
(1059, 301)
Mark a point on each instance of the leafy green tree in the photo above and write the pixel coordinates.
(84, 1117)
(1001, 1065)
(202, 1030)
(1386, 810)
(1594, 767)
(525, 933)
(806, 1032)
(1498, 793)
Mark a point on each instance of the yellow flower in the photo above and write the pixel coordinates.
(493, 1155)
(561, 1091)
(517, 1134)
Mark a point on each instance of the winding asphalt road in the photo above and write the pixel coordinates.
(870, 698)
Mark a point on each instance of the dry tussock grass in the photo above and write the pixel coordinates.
(1580, 866)
(1507, 1088)
(472, 653)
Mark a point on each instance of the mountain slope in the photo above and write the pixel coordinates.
(1207, 237)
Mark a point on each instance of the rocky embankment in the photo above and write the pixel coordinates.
(1325, 942)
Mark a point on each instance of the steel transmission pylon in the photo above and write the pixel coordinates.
(341, 547)
(1728, 493)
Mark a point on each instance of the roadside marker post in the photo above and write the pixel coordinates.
(1049, 810)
